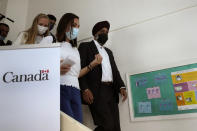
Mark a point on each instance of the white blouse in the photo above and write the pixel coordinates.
(71, 77)
(22, 38)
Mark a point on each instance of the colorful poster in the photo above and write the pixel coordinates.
(180, 99)
(144, 107)
(165, 105)
(153, 92)
(185, 87)
(160, 78)
(141, 82)
(192, 85)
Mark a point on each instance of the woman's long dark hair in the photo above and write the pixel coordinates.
(64, 22)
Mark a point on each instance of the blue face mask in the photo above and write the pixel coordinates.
(2, 38)
(71, 35)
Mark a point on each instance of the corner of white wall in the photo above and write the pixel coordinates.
(16, 10)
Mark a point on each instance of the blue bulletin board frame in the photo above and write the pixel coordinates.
(157, 116)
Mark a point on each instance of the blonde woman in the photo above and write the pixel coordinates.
(37, 33)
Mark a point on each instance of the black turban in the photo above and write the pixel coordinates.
(98, 26)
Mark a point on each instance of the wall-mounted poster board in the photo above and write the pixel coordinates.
(163, 94)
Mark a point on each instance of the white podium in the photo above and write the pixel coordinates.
(29, 88)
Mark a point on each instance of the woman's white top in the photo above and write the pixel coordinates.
(22, 38)
(71, 77)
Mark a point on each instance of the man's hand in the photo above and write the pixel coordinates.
(97, 60)
(88, 96)
(123, 94)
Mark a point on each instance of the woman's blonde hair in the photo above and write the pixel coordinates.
(32, 32)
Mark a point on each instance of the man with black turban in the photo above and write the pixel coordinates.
(101, 86)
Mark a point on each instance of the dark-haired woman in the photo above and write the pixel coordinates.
(67, 32)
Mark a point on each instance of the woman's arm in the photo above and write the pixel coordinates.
(95, 62)
(64, 68)
(21, 39)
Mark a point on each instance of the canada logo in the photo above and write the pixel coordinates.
(11, 77)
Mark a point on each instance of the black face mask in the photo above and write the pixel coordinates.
(102, 38)
(51, 26)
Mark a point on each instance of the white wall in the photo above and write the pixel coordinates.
(16, 10)
(3, 5)
(163, 42)
(150, 40)
(118, 12)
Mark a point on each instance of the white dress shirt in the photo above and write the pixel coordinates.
(106, 66)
